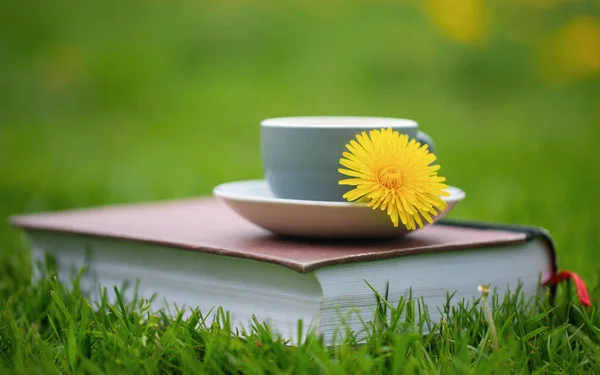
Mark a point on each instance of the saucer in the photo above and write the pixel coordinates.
(254, 201)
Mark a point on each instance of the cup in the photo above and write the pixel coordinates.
(301, 155)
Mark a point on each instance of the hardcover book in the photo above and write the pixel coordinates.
(198, 253)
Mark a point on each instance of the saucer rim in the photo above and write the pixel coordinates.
(458, 196)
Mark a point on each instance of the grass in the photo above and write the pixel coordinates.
(51, 328)
(106, 102)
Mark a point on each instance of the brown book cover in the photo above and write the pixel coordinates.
(208, 225)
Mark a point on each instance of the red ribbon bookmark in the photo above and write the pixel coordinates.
(582, 293)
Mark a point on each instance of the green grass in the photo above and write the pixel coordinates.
(104, 102)
(52, 330)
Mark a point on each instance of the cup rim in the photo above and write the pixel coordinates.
(338, 122)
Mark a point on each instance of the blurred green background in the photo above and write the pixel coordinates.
(125, 101)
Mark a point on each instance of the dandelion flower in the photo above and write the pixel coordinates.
(395, 174)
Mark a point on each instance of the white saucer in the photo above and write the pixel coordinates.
(254, 201)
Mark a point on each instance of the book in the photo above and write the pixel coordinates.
(197, 253)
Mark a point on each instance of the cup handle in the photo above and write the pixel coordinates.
(424, 138)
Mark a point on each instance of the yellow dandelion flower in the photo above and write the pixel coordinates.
(394, 174)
